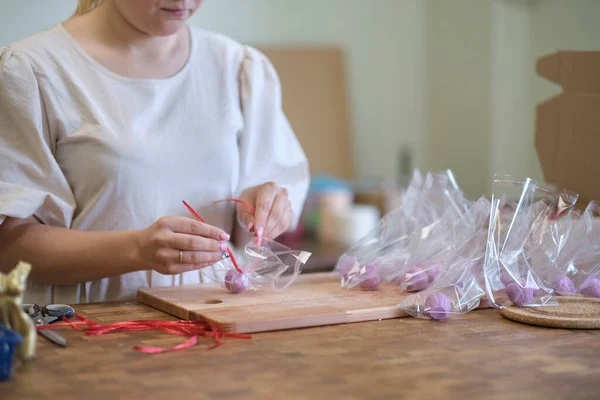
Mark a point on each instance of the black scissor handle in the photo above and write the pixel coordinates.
(32, 309)
(58, 310)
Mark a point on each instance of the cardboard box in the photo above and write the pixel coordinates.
(315, 100)
(567, 132)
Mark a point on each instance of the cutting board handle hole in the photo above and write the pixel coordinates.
(213, 301)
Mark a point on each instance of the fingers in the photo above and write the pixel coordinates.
(198, 257)
(245, 217)
(192, 227)
(169, 258)
(194, 243)
(264, 202)
(175, 269)
(278, 220)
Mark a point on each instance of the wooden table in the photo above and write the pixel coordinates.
(479, 355)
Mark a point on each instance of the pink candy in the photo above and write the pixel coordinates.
(505, 278)
(520, 296)
(372, 280)
(416, 279)
(419, 277)
(591, 289)
(346, 264)
(564, 285)
(437, 306)
(434, 270)
(235, 282)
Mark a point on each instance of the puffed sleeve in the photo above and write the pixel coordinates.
(269, 148)
(31, 182)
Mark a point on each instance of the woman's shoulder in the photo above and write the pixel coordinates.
(32, 53)
(227, 51)
(33, 46)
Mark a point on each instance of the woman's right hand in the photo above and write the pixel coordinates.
(159, 245)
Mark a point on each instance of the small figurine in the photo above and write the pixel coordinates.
(12, 287)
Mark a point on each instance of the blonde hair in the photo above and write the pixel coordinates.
(85, 6)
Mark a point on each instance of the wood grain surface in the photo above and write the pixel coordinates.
(480, 355)
(313, 300)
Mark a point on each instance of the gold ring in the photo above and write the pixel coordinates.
(180, 257)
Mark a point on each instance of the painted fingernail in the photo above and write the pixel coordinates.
(224, 236)
(260, 231)
(222, 246)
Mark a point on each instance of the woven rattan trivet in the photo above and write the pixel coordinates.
(571, 313)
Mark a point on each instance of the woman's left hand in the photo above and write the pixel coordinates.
(272, 210)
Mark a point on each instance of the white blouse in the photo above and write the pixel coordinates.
(84, 148)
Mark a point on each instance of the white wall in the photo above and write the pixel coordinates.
(25, 17)
(458, 90)
(511, 109)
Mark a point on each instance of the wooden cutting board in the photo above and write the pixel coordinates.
(313, 300)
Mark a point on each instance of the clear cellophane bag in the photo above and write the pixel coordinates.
(448, 283)
(379, 255)
(519, 255)
(262, 264)
(576, 268)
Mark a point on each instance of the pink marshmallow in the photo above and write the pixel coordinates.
(591, 289)
(416, 279)
(346, 264)
(235, 282)
(505, 278)
(518, 295)
(564, 285)
(434, 270)
(372, 280)
(437, 306)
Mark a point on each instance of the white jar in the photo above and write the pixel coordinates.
(354, 222)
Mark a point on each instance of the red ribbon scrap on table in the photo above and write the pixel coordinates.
(193, 329)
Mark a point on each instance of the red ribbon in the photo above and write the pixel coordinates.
(199, 218)
(248, 206)
(193, 329)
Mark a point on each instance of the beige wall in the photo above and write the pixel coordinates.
(457, 86)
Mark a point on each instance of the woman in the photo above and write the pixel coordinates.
(108, 122)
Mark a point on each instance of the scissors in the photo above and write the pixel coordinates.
(48, 315)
